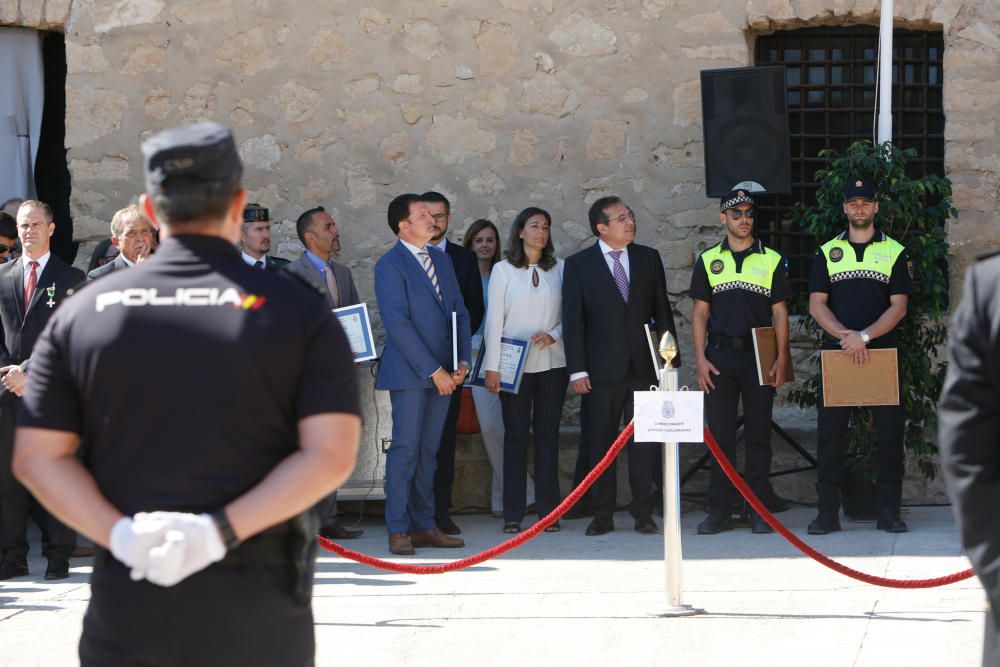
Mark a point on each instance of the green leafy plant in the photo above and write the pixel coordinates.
(914, 212)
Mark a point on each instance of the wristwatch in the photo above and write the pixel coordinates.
(865, 337)
(225, 529)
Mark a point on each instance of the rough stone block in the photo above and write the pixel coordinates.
(454, 140)
(498, 47)
(580, 35)
(111, 14)
(92, 114)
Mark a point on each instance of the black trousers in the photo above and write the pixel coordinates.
(326, 510)
(601, 420)
(224, 615)
(536, 407)
(738, 379)
(15, 504)
(832, 425)
(444, 476)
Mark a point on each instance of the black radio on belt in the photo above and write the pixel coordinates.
(255, 213)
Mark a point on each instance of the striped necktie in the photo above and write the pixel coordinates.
(425, 259)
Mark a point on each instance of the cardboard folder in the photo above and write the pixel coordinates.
(875, 383)
(765, 347)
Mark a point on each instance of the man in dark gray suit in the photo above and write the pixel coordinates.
(132, 234)
(318, 232)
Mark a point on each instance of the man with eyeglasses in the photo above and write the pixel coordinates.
(858, 293)
(737, 285)
(132, 234)
(255, 239)
(467, 272)
(610, 291)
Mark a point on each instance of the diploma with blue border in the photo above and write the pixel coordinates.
(358, 328)
(513, 355)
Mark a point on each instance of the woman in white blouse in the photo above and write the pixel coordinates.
(483, 239)
(525, 296)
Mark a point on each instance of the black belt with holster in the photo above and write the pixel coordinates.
(290, 545)
(717, 341)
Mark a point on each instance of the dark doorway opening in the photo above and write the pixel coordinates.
(52, 181)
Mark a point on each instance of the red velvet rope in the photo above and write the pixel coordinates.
(501, 548)
(741, 485)
(573, 497)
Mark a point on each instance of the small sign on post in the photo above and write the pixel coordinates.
(669, 416)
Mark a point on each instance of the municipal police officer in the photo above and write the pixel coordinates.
(858, 291)
(737, 285)
(199, 507)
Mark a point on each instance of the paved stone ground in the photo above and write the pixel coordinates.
(566, 599)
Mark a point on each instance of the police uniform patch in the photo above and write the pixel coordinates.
(836, 255)
(716, 267)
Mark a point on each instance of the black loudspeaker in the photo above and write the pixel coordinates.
(745, 120)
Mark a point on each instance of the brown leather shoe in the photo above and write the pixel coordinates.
(435, 538)
(83, 552)
(399, 544)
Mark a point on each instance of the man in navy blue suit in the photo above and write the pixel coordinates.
(417, 293)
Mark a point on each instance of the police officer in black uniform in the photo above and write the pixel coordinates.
(737, 285)
(197, 469)
(858, 291)
(969, 433)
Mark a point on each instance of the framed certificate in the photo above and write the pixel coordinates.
(513, 355)
(357, 326)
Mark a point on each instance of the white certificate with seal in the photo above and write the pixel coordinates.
(513, 355)
(669, 416)
(358, 328)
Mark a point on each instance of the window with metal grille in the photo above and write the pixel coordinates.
(831, 87)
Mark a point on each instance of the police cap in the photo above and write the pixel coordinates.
(198, 153)
(255, 213)
(735, 198)
(859, 189)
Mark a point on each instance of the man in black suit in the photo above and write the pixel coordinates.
(255, 239)
(30, 289)
(969, 434)
(471, 285)
(132, 234)
(610, 290)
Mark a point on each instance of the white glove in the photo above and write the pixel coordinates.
(191, 544)
(132, 540)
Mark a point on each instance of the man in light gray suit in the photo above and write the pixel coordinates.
(318, 232)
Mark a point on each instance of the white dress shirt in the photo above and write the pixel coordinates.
(42, 261)
(623, 258)
(251, 260)
(518, 309)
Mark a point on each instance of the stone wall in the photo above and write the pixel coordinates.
(500, 104)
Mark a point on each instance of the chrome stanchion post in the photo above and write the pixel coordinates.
(673, 556)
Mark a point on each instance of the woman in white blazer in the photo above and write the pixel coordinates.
(483, 239)
(525, 297)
